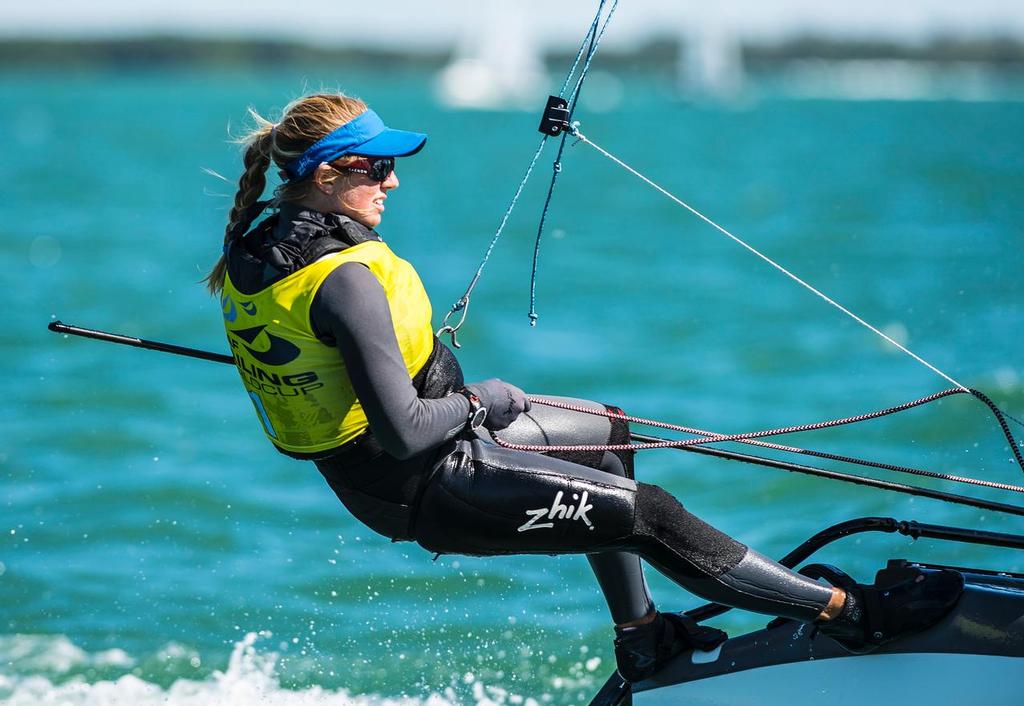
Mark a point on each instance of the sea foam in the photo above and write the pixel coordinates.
(249, 678)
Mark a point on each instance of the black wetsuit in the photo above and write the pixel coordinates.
(413, 476)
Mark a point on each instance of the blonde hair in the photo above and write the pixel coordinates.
(303, 122)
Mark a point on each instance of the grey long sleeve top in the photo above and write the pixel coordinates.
(350, 311)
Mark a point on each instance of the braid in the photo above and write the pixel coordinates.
(304, 121)
(250, 187)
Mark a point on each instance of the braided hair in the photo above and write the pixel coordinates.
(303, 122)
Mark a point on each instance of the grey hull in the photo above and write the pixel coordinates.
(974, 655)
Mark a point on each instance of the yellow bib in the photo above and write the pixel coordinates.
(298, 385)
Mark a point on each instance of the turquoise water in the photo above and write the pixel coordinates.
(154, 549)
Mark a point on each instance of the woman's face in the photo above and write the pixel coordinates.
(359, 197)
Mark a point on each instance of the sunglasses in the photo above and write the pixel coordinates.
(376, 168)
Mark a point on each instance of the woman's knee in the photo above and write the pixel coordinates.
(661, 524)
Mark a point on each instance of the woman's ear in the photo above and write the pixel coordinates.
(324, 178)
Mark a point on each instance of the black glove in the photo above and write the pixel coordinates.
(504, 402)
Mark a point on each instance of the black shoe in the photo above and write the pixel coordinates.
(641, 651)
(874, 615)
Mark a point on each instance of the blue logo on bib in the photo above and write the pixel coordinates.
(228, 308)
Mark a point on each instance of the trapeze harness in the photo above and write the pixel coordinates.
(466, 494)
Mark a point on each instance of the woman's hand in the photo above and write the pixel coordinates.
(504, 402)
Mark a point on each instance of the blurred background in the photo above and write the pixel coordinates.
(494, 55)
(155, 550)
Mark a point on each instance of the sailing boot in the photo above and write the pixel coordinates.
(641, 651)
(902, 605)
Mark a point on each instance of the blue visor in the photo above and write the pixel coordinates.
(366, 135)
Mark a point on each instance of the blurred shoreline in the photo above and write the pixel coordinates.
(665, 54)
(515, 74)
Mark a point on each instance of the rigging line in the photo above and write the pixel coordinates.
(893, 467)
(556, 169)
(713, 439)
(596, 44)
(792, 429)
(583, 138)
(1001, 418)
(808, 427)
(556, 166)
(751, 438)
(583, 46)
(848, 478)
(59, 327)
(463, 302)
(1013, 419)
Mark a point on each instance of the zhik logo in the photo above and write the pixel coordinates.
(248, 307)
(279, 352)
(558, 511)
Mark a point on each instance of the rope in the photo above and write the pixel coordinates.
(579, 53)
(714, 437)
(463, 302)
(1001, 418)
(885, 466)
(1012, 418)
(583, 138)
(753, 437)
(556, 166)
(593, 37)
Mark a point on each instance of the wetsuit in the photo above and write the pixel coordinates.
(416, 474)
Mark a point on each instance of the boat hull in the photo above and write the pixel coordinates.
(974, 655)
(934, 679)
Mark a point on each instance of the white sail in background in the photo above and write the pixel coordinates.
(710, 61)
(497, 65)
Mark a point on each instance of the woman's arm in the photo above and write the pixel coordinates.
(350, 310)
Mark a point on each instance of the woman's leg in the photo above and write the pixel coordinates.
(487, 500)
(619, 574)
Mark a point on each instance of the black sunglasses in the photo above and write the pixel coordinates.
(376, 168)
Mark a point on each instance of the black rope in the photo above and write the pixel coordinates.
(592, 37)
(906, 469)
(754, 438)
(59, 327)
(847, 477)
(556, 169)
(898, 469)
(1001, 418)
(1012, 418)
(556, 166)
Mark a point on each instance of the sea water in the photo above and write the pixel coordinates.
(154, 549)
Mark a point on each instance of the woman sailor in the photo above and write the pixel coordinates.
(331, 333)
